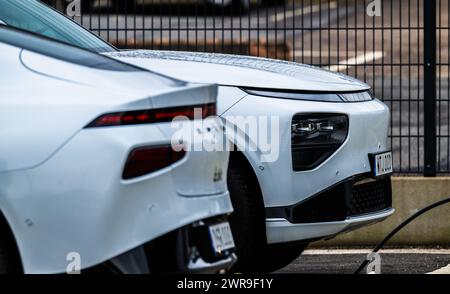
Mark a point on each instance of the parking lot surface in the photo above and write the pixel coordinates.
(393, 261)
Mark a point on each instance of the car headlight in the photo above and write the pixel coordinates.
(315, 137)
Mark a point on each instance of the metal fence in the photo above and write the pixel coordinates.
(400, 47)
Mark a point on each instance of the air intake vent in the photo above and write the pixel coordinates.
(353, 197)
(370, 197)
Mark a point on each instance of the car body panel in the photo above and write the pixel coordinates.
(51, 214)
(76, 86)
(61, 185)
(369, 124)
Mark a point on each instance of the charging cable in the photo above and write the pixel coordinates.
(400, 226)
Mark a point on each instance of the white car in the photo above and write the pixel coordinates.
(88, 173)
(328, 167)
(327, 172)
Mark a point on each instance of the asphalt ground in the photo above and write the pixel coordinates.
(393, 261)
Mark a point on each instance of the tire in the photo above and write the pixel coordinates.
(4, 262)
(10, 262)
(248, 223)
(281, 255)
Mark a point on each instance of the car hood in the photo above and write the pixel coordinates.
(240, 71)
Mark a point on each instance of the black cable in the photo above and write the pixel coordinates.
(400, 226)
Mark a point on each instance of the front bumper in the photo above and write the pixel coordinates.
(350, 204)
(281, 230)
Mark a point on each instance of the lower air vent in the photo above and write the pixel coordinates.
(356, 196)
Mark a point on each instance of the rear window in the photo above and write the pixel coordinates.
(61, 51)
(36, 17)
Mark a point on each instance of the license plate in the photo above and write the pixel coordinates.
(382, 163)
(221, 237)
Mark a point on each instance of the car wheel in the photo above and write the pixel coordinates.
(4, 263)
(9, 257)
(248, 223)
(281, 255)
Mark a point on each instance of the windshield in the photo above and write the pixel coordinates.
(36, 17)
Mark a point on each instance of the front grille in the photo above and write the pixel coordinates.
(371, 197)
(358, 195)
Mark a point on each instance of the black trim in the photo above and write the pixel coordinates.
(245, 89)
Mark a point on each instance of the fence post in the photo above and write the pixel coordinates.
(429, 87)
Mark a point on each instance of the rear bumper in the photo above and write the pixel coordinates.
(281, 230)
(78, 202)
(186, 250)
(202, 267)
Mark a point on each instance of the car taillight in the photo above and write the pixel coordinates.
(315, 137)
(153, 115)
(144, 160)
